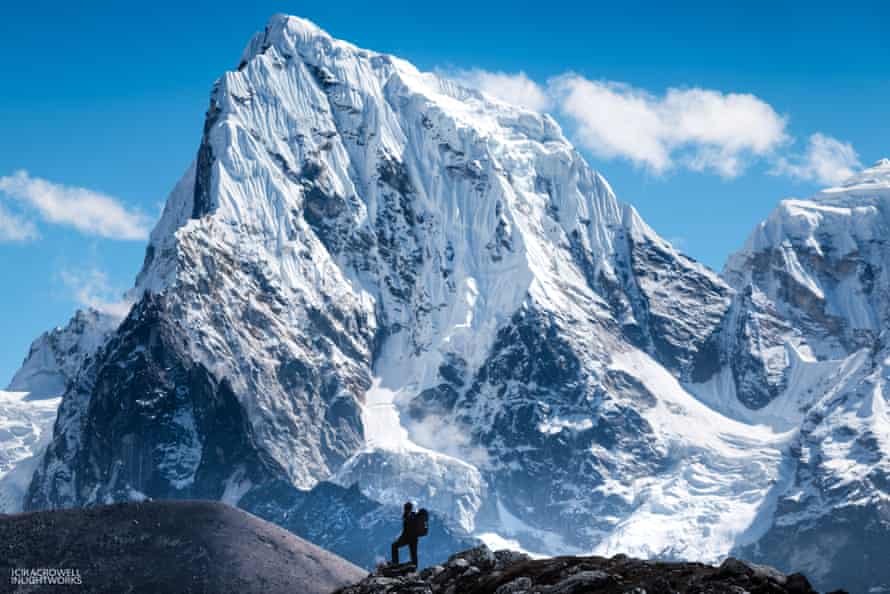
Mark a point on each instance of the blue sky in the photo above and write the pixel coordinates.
(102, 105)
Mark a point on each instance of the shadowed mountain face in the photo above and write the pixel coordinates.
(161, 426)
(171, 546)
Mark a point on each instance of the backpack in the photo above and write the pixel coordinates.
(421, 522)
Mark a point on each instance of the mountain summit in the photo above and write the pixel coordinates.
(373, 276)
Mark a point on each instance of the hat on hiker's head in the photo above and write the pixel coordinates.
(408, 505)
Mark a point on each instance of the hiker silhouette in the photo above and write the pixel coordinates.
(414, 525)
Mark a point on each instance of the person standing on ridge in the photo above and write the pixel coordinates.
(414, 525)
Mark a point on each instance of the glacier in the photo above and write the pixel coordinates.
(374, 284)
(25, 430)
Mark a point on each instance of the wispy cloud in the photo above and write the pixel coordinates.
(15, 228)
(439, 434)
(91, 288)
(89, 212)
(517, 89)
(826, 160)
(698, 129)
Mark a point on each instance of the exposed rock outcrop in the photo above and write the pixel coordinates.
(482, 571)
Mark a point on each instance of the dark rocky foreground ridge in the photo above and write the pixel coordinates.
(482, 571)
(169, 546)
(203, 546)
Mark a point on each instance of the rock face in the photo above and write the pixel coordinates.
(481, 571)
(171, 546)
(144, 420)
(376, 277)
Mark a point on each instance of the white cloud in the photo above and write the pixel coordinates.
(701, 129)
(826, 160)
(87, 211)
(15, 228)
(438, 434)
(91, 288)
(517, 89)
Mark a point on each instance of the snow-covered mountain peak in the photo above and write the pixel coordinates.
(351, 218)
(824, 263)
(312, 125)
(309, 108)
(356, 237)
(833, 219)
(295, 36)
